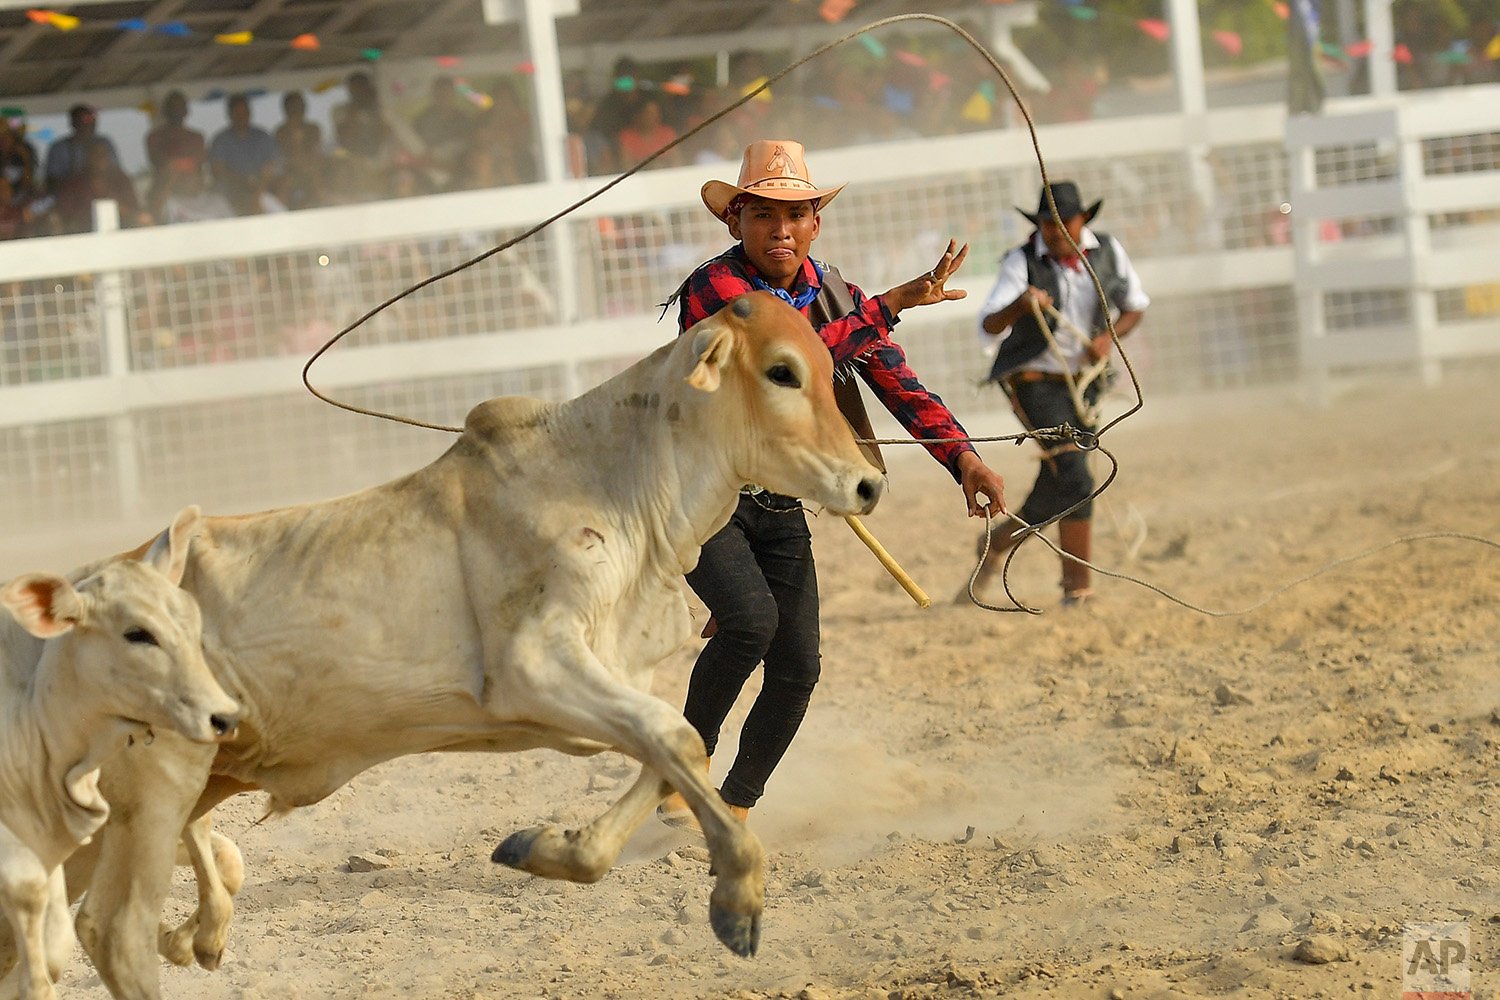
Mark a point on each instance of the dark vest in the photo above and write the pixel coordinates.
(1026, 339)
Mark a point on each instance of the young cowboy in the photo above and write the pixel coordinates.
(1045, 274)
(756, 575)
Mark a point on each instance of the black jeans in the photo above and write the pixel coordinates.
(756, 576)
(1063, 479)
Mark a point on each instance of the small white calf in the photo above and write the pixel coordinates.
(83, 671)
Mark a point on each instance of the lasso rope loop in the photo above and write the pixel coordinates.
(1081, 439)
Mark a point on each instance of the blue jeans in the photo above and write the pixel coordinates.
(757, 578)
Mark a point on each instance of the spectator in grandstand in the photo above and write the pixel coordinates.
(170, 140)
(300, 145)
(365, 144)
(186, 195)
(101, 180)
(504, 134)
(645, 133)
(68, 157)
(17, 160)
(245, 161)
(1041, 365)
(444, 126)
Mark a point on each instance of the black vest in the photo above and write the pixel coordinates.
(1026, 339)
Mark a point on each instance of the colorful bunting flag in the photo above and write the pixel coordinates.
(1157, 29)
(1084, 13)
(1359, 50)
(235, 38)
(873, 46)
(1282, 10)
(910, 58)
(976, 109)
(1229, 42)
(133, 24)
(370, 55)
(307, 43)
(834, 11)
(1401, 53)
(1492, 50)
(175, 29)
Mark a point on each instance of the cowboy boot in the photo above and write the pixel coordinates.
(1002, 537)
(1074, 537)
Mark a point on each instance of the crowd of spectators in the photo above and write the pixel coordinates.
(465, 139)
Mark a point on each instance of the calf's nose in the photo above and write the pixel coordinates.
(224, 723)
(868, 491)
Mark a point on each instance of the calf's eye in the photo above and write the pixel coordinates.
(784, 376)
(142, 636)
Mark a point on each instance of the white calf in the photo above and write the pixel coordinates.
(84, 672)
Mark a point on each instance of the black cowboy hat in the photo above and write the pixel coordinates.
(1069, 204)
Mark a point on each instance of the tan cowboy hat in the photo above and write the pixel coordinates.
(772, 168)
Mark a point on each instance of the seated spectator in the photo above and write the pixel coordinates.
(187, 196)
(68, 157)
(172, 140)
(16, 215)
(500, 148)
(364, 142)
(101, 180)
(245, 161)
(17, 160)
(444, 125)
(303, 165)
(645, 133)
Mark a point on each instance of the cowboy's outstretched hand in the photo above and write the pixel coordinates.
(930, 288)
(977, 478)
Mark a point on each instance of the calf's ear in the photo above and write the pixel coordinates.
(170, 550)
(46, 605)
(713, 345)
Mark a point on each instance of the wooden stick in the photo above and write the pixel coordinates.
(892, 567)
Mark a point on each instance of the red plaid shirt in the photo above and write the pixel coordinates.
(860, 340)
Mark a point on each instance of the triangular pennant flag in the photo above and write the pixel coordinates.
(133, 24)
(448, 62)
(325, 85)
(1158, 30)
(1358, 50)
(307, 43)
(1229, 42)
(1492, 50)
(175, 29)
(1401, 53)
(976, 109)
(1083, 13)
(526, 68)
(370, 55)
(872, 45)
(235, 38)
(764, 95)
(40, 16)
(987, 90)
(938, 81)
(910, 58)
(676, 87)
(63, 22)
(834, 11)
(1282, 10)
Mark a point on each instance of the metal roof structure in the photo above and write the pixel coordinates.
(136, 45)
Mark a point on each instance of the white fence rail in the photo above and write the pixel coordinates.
(149, 368)
(1398, 210)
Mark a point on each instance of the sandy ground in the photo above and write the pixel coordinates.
(1135, 800)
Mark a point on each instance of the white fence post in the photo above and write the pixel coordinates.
(114, 331)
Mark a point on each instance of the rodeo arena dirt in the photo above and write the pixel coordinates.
(1133, 800)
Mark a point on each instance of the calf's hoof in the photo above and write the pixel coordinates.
(515, 849)
(208, 959)
(740, 932)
